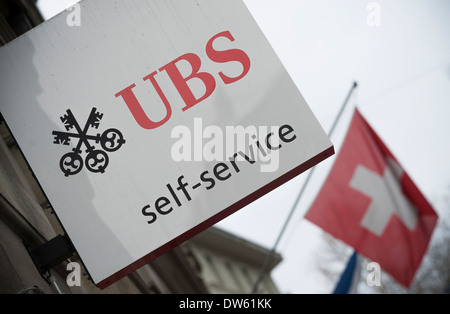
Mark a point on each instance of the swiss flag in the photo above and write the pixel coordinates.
(370, 203)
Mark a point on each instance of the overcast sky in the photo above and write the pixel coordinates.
(403, 70)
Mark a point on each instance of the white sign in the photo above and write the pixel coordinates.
(151, 121)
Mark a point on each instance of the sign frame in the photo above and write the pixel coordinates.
(102, 150)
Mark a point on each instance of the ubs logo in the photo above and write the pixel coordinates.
(96, 159)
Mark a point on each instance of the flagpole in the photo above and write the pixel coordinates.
(269, 257)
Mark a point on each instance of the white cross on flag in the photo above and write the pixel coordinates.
(370, 203)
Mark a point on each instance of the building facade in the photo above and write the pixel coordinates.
(212, 262)
(229, 264)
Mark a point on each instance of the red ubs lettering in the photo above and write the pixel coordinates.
(180, 82)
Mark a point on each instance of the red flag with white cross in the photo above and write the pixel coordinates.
(369, 202)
